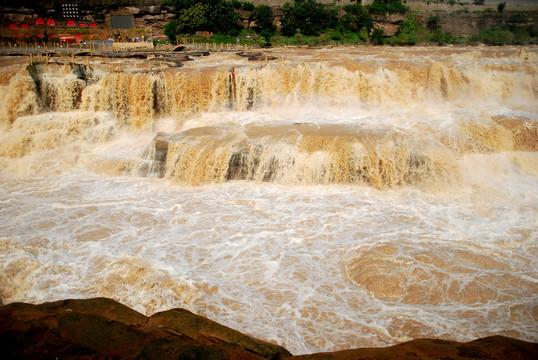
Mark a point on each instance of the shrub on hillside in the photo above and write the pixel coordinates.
(440, 37)
(377, 8)
(434, 23)
(494, 37)
(407, 32)
(397, 7)
(378, 36)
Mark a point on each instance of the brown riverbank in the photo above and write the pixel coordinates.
(102, 328)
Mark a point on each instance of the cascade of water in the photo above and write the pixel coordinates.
(138, 99)
(382, 195)
(288, 155)
(302, 154)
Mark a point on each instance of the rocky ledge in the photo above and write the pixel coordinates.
(102, 328)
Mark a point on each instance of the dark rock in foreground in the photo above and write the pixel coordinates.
(102, 328)
(97, 328)
(492, 348)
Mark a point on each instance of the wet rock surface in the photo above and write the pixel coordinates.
(103, 328)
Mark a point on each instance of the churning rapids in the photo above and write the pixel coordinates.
(330, 199)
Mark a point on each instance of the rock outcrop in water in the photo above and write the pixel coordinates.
(103, 328)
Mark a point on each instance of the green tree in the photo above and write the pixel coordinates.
(236, 4)
(266, 34)
(219, 15)
(248, 6)
(381, 7)
(357, 18)
(193, 18)
(377, 8)
(264, 18)
(171, 30)
(501, 6)
(397, 7)
(406, 34)
(308, 16)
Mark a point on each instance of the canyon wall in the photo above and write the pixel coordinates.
(459, 20)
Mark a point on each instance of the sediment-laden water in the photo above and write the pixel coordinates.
(330, 199)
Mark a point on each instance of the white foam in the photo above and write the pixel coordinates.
(140, 242)
(270, 259)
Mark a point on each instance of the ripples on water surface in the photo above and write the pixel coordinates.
(334, 199)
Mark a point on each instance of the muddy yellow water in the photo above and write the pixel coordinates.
(328, 199)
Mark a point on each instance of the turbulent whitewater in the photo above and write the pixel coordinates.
(329, 199)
